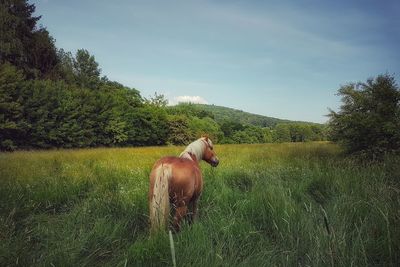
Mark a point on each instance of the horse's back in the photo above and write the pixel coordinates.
(185, 181)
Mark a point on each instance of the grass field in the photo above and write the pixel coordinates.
(264, 205)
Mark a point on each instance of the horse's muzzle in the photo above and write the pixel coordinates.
(214, 162)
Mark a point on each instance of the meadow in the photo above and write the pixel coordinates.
(291, 204)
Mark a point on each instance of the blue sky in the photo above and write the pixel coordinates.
(284, 59)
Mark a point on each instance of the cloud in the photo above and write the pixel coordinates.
(188, 99)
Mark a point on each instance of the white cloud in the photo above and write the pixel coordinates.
(188, 99)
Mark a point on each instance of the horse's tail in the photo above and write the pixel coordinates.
(159, 203)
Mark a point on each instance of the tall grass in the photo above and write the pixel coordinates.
(275, 204)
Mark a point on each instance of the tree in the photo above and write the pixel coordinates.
(178, 130)
(282, 133)
(229, 127)
(190, 109)
(22, 43)
(300, 132)
(86, 69)
(65, 66)
(12, 123)
(148, 126)
(268, 138)
(157, 100)
(242, 137)
(318, 132)
(368, 121)
(256, 134)
(42, 54)
(206, 125)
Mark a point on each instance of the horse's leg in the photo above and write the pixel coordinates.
(180, 212)
(193, 214)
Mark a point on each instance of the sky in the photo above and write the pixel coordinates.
(283, 59)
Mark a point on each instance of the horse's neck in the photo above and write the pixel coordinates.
(195, 149)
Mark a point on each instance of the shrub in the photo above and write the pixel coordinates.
(368, 122)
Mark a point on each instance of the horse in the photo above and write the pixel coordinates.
(178, 181)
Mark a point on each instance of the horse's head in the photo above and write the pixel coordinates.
(209, 154)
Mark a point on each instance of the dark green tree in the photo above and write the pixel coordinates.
(368, 121)
(65, 66)
(178, 130)
(86, 69)
(243, 137)
(230, 127)
(22, 43)
(42, 55)
(300, 132)
(147, 126)
(318, 132)
(281, 133)
(13, 125)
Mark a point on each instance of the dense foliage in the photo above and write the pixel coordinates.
(52, 98)
(368, 122)
(23, 44)
(222, 114)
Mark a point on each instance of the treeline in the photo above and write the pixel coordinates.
(45, 113)
(229, 114)
(39, 113)
(233, 131)
(51, 98)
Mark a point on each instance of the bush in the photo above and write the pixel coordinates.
(368, 122)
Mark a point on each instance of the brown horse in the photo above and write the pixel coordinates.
(178, 180)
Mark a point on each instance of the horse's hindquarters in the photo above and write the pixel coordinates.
(184, 183)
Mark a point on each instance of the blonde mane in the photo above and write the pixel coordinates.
(196, 148)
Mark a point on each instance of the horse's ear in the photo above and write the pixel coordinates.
(205, 136)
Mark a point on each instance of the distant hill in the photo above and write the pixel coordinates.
(229, 114)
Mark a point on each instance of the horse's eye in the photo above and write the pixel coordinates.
(211, 147)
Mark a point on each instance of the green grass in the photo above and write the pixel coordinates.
(265, 205)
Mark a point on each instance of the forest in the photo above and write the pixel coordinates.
(51, 98)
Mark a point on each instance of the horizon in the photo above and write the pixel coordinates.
(281, 60)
